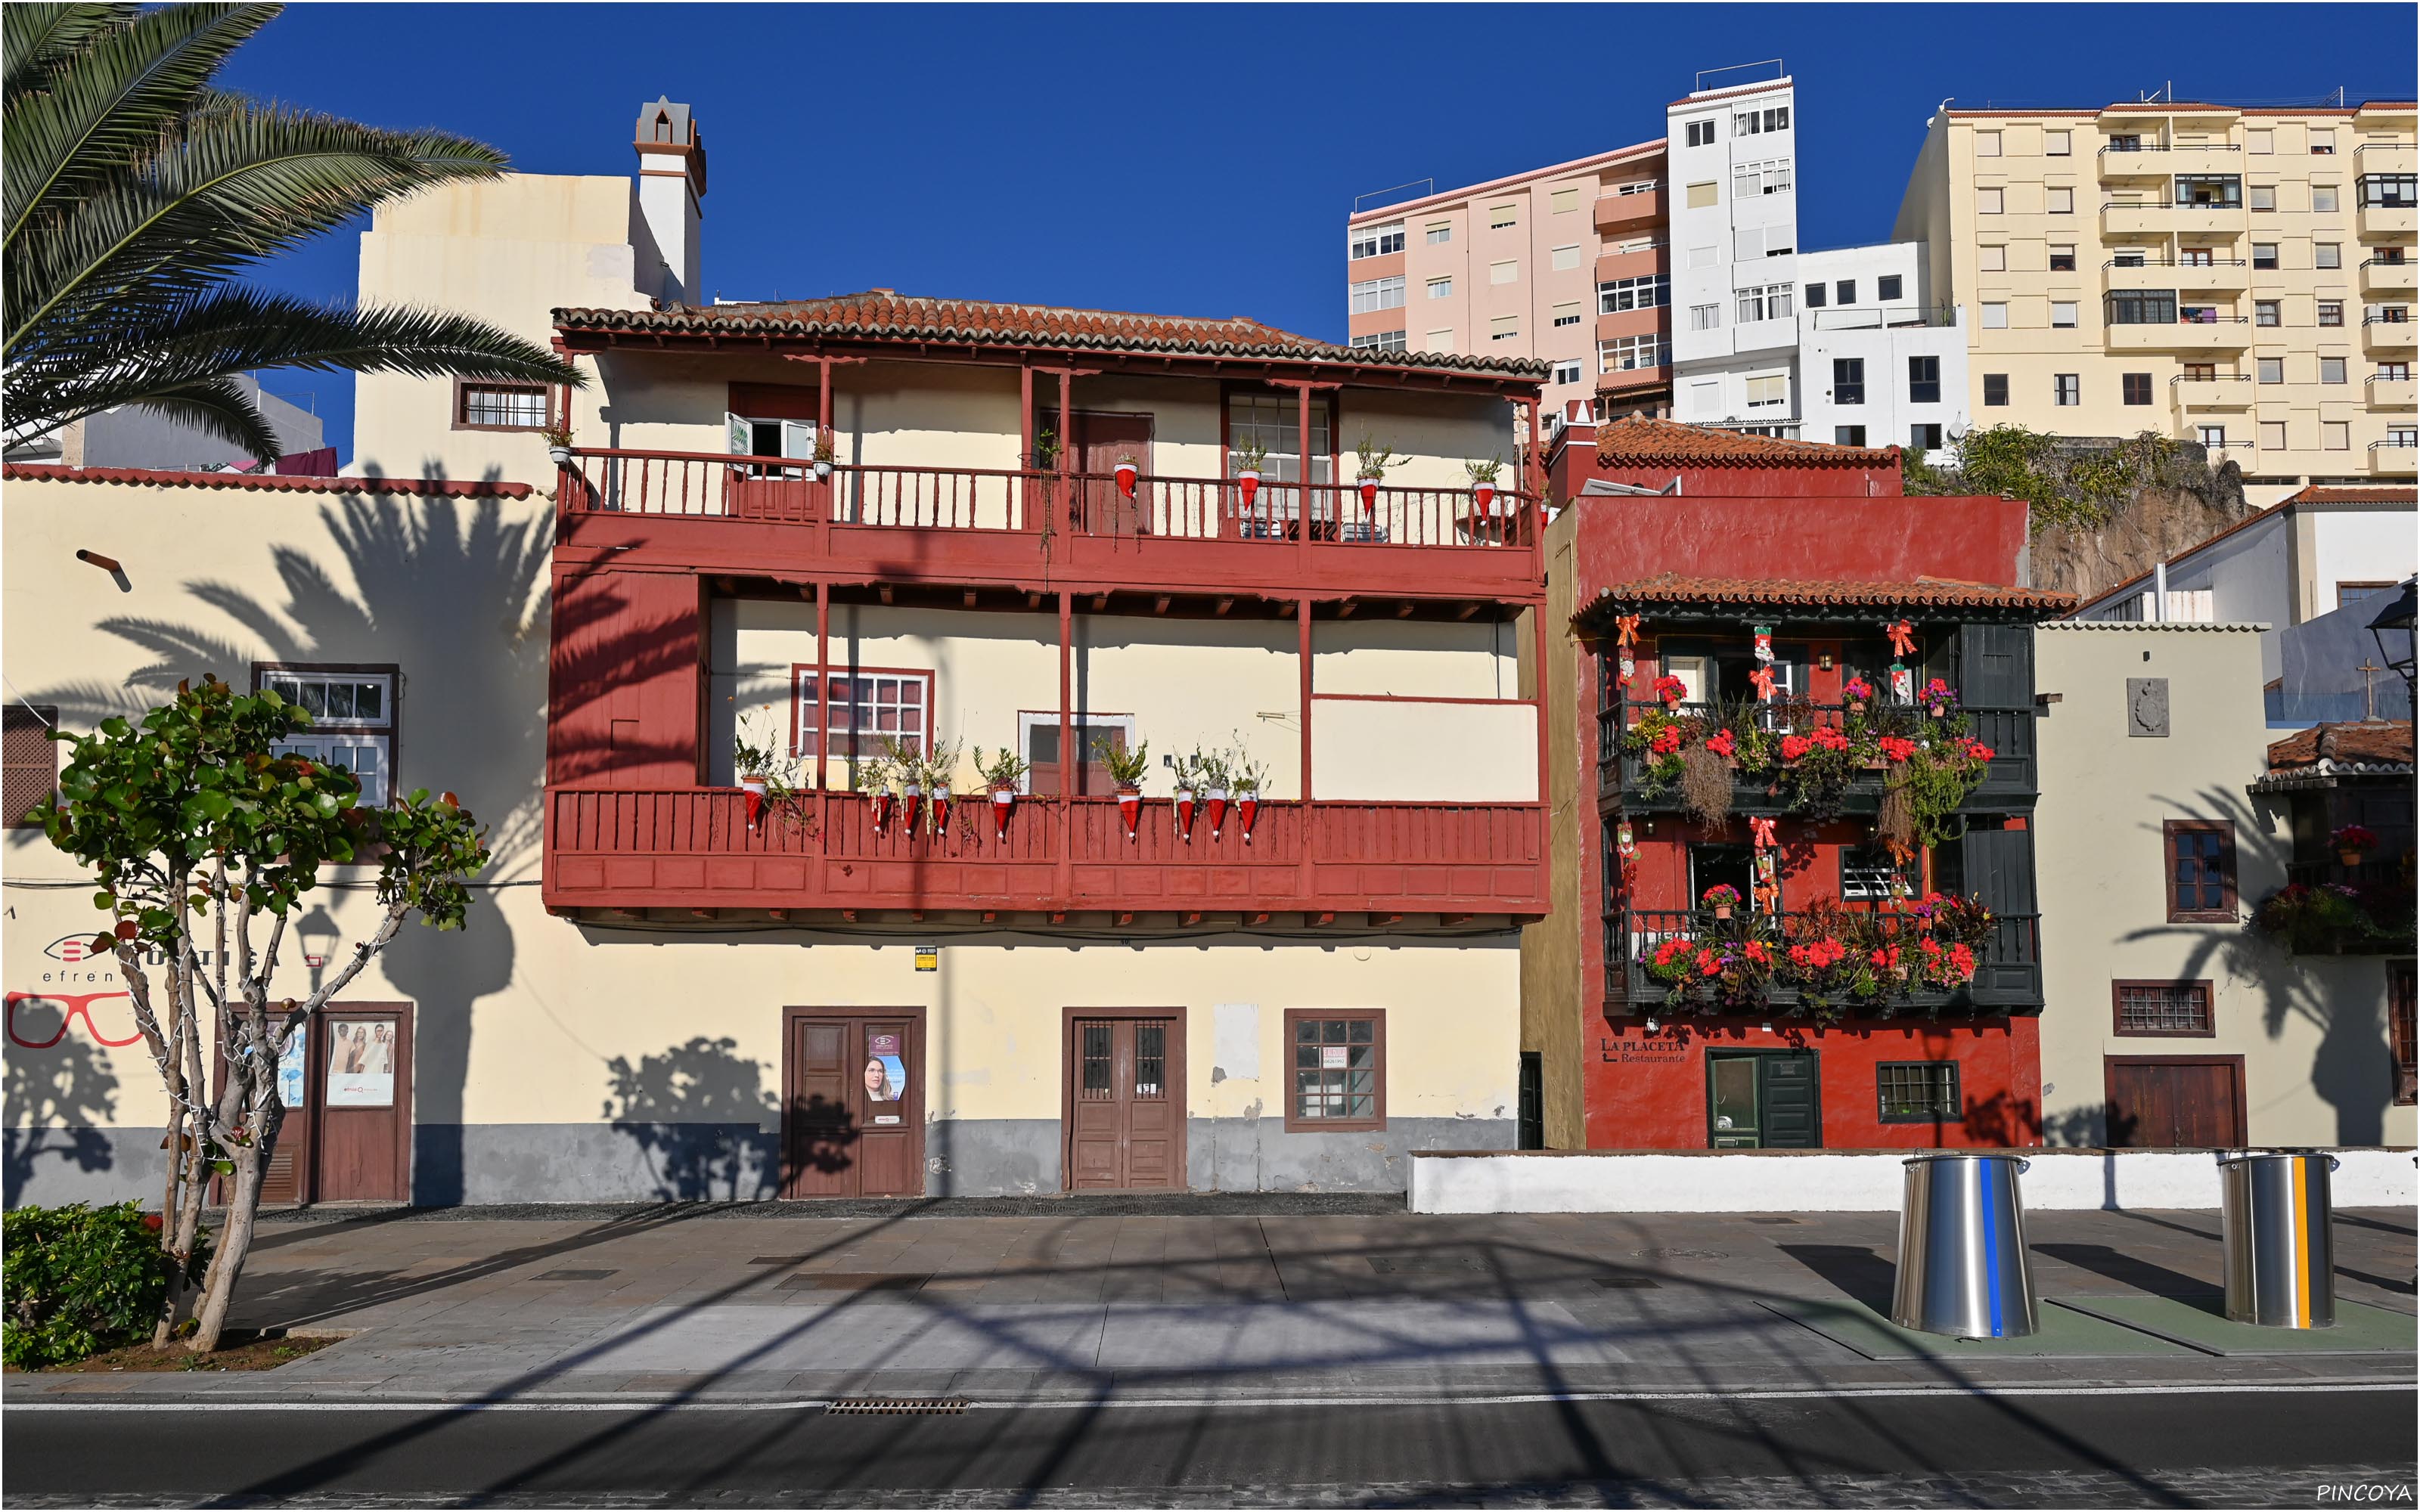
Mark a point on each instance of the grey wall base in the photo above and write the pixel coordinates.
(479, 1163)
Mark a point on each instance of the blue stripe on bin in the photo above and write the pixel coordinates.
(1991, 1246)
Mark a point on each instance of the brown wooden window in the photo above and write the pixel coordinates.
(2200, 854)
(501, 405)
(2161, 1007)
(1916, 1091)
(2399, 1025)
(33, 760)
(1340, 1068)
(864, 706)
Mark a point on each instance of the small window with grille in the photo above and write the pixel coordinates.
(1340, 1068)
(499, 407)
(1916, 1091)
(2163, 1007)
(33, 760)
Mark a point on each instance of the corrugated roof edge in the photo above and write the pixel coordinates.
(2241, 627)
(271, 483)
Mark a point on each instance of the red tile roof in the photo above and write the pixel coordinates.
(2313, 494)
(445, 487)
(1638, 441)
(880, 315)
(2322, 494)
(2383, 742)
(1923, 593)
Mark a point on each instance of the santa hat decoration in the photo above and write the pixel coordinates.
(941, 809)
(1130, 810)
(1126, 474)
(754, 788)
(1217, 810)
(1003, 802)
(914, 792)
(1185, 797)
(882, 801)
(1248, 483)
(1247, 812)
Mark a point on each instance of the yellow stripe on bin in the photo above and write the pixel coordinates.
(2302, 1244)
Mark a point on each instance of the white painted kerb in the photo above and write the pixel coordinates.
(1845, 1181)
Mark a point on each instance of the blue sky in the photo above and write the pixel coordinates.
(1202, 160)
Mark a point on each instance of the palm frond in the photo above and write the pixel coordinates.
(218, 406)
(40, 35)
(108, 102)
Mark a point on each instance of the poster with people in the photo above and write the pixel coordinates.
(360, 1063)
(292, 1063)
(885, 1072)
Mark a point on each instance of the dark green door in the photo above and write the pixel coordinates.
(1793, 1119)
(1763, 1099)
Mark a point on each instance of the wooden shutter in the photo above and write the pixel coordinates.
(1999, 865)
(1996, 681)
(32, 760)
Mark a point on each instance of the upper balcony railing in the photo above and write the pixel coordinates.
(1450, 541)
(2009, 732)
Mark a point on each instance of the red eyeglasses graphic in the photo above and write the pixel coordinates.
(70, 1005)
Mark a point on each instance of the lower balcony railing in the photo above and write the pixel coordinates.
(2008, 972)
(615, 849)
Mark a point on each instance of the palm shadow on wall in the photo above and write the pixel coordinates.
(695, 1113)
(2353, 1069)
(454, 594)
(58, 1101)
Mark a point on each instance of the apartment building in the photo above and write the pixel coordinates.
(1035, 539)
(1544, 266)
(1706, 308)
(2238, 277)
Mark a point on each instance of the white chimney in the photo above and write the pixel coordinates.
(672, 181)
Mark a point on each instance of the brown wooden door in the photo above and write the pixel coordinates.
(853, 1116)
(288, 1177)
(1125, 1114)
(2175, 1103)
(1102, 436)
(361, 1133)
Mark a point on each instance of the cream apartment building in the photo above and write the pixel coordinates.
(2240, 277)
(1511, 268)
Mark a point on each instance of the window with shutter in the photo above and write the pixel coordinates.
(32, 757)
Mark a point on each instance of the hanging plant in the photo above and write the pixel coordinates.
(1249, 457)
(874, 779)
(1004, 774)
(1722, 898)
(1126, 472)
(1371, 470)
(1857, 693)
(1483, 480)
(1247, 776)
(1188, 792)
(755, 761)
(557, 435)
(1705, 787)
(1128, 767)
(1214, 778)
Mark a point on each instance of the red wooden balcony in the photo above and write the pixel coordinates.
(609, 849)
(713, 512)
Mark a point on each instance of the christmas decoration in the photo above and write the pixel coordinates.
(1217, 800)
(1248, 811)
(755, 787)
(940, 808)
(1248, 483)
(912, 802)
(1903, 682)
(1130, 810)
(1126, 472)
(1762, 680)
(1003, 802)
(1903, 638)
(1764, 643)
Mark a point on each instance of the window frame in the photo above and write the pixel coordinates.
(44, 718)
(1849, 381)
(390, 728)
(2002, 379)
(462, 387)
(1372, 240)
(1295, 1120)
(2067, 391)
(801, 670)
(1954, 1084)
(2130, 384)
(1376, 290)
(2205, 987)
(2224, 829)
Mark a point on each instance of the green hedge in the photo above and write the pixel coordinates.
(79, 1280)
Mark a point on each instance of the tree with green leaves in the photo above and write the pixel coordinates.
(195, 825)
(136, 190)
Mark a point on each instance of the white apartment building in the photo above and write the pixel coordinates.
(1881, 364)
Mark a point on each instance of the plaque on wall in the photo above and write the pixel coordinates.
(2146, 707)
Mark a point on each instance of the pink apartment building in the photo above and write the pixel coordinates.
(1566, 264)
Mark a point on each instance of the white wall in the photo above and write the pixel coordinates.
(2355, 545)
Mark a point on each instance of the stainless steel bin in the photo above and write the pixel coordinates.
(1962, 1267)
(2280, 1259)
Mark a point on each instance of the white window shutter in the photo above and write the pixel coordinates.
(736, 430)
(798, 439)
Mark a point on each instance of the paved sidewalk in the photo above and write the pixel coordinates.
(1059, 1300)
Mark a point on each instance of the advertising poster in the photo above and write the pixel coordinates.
(291, 1064)
(360, 1063)
(885, 1072)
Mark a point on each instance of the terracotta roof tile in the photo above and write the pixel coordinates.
(2383, 742)
(1638, 441)
(446, 487)
(2322, 494)
(1923, 593)
(880, 315)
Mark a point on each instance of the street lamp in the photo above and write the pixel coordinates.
(319, 936)
(2392, 629)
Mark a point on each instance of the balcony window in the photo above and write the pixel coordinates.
(2387, 257)
(1647, 292)
(2394, 373)
(2142, 307)
(1096, 739)
(2201, 372)
(1847, 380)
(862, 708)
(2212, 437)
(1376, 240)
(1625, 354)
(1378, 294)
(2389, 190)
(2210, 189)
(1923, 380)
(1754, 122)
(2198, 314)
(352, 719)
(1274, 421)
(2126, 142)
(1867, 875)
(2134, 258)
(2189, 258)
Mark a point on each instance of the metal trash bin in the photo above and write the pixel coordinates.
(2280, 1258)
(1963, 1266)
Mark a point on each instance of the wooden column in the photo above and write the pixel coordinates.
(822, 708)
(1302, 522)
(1066, 744)
(1066, 446)
(1025, 446)
(1538, 690)
(1310, 815)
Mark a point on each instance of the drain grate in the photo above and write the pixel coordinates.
(1428, 1265)
(1773, 1220)
(780, 1259)
(574, 1275)
(1629, 1283)
(898, 1405)
(855, 1281)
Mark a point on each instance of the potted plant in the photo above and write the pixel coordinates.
(1046, 449)
(1371, 470)
(874, 780)
(1127, 471)
(1483, 480)
(558, 442)
(2354, 842)
(1938, 696)
(1671, 690)
(754, 759)
(1247, 776)
(1189, 788)
(938, 769)
(910, 767)
(1858, 692)
(1001, 774)
(1214, 788)
(1248, 456)
(826, 449)
(1127, 769)
(1722, 898)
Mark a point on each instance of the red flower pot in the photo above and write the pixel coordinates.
(1003, 802)
(1247, 483)
(940, 811)
(882, 802)
(1248, 814)
(915, 801)
(1484, 494)
(1218, 812)
(1185, 814)
(1130, 810)
(1125, 473)
(755, 787)
(1368, 493)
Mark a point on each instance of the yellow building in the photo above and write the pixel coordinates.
(2238, 277)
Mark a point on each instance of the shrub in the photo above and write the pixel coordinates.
(79, 1280)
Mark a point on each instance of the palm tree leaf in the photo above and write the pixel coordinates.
(109, 102)
(41, 35)
(217, 407)
(244, 181)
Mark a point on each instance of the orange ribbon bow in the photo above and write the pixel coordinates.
(1902, 637)
(1763, 678)
(1760, 833)
(1627, 627)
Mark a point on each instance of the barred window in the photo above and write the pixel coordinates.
(501, 405)
(1916, 1091)
(33, 759)
(1340, 1066)
(2179, 1008)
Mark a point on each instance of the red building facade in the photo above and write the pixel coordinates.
(1802, 908)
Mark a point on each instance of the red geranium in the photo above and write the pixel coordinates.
(1793, 746)
(1829, 738)
(1859, 690)
(1671, 690)
(1898, 747)
(1666, 741)
(1977, 752)
(1720, 743)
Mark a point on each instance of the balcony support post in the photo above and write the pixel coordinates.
(1066, 744)
(1538, 693)
(1025, 444)
(1302, 659)
(822, 711)
(1067, 451)
(1302, 540)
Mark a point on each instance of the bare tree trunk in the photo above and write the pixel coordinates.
(171, 1208)
(235, 1245)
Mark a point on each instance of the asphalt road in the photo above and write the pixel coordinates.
(2123, 1447)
